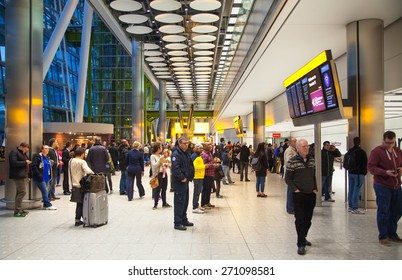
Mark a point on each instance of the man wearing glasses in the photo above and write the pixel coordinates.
(385, 163)
(182, 174)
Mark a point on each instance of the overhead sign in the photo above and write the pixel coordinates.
(276, 135)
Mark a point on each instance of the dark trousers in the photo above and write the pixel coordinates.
(218, 187)
(304, 204)
(130, 187)
(207, 185)
(161, 189)
(66, 187)
(181, 197)
(244, 170)
(21, 185)
(79, 211)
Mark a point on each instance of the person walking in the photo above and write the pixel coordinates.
(19, 171)
(300, 176)
(328, 155)
(135, 170)
(182, 174)
(385, 163)
(98, 159)
(65, 159)
(356, 174)
(123, 151)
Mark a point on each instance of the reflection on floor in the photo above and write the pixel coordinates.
(242, 226)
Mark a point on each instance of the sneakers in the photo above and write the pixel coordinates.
(198, 211)
(357, 211)
(51, 208)
(19, 215)
(329, 200)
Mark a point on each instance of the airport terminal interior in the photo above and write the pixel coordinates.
(248, 71)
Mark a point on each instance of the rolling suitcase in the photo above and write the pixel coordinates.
(95, 209)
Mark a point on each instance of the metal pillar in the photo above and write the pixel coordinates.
(365, 59)
(138, 133)
(57, 35)
(84, 60)
(24, 119)
(258, 123)
(162, 111)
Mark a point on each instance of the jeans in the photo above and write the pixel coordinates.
(43, 188)
(197, 192)
(356, 181)
(304, 204)
(289, 200)
(123, 181)
(389, 204)
(226, 170)
(326, 186)
(260, 184)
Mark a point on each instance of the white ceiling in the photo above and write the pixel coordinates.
(312, 26)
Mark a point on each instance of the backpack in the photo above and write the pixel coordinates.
(349, 160)
(255, 164)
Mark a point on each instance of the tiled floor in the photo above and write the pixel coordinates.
(242, 226)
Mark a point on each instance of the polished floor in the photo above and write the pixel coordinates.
(241, 227)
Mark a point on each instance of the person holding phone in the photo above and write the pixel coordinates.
(385, 163)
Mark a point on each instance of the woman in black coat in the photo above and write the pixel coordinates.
(135, 169)
(261, 174)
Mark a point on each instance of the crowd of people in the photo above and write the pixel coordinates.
(209, 166)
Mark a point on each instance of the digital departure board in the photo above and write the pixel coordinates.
(313, 92)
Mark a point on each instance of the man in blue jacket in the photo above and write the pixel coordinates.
(182, 174)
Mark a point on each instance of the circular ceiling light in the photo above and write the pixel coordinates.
(133, 19)
(139, 29)
(181, 69)
(165, 5)
(203, 53)
(160, 69)
(203, 69)
(180, 64)
(152, 53)
(204, 18)
(171, 29)
(205, 5)
(154, 59)
(204, 29)
(174, 38)
(203, 58)
(150, 46)
(169, 18)
(157, 64)
(125, 5)
(179, 58)
(204, 38)
(177, 53)
(203, 64)
(176, 46)
(164, 77)
(204, 46)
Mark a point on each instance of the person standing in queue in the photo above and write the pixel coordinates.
(182, 174)
(385, 163)
(300, 177)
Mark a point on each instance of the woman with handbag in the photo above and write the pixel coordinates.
(159, 165)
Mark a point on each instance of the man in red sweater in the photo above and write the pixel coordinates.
(385, 163)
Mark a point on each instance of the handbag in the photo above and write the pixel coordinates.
(154, 182)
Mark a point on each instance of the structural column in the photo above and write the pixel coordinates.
(138, 133)
(258, 123)
(162, 111)
(84, 60)
(24, 119)
(365, 59)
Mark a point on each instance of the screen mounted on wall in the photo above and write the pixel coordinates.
(313, 92)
